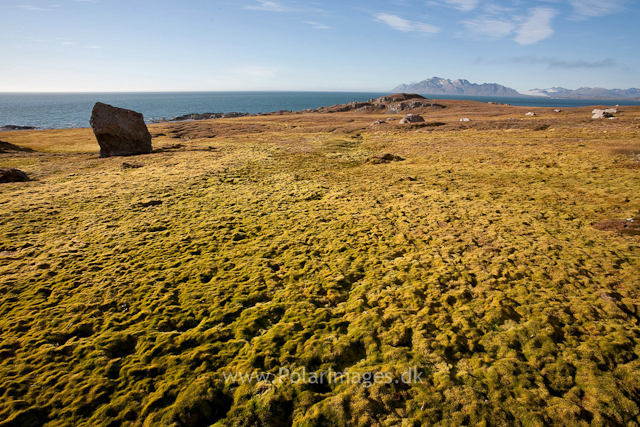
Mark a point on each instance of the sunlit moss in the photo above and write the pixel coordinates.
(127, 294)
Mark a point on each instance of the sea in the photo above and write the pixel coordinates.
(73, 110)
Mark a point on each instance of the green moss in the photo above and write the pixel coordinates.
(281, 250)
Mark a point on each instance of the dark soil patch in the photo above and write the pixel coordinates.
(168, 148)
(629, 227)
(6, 147)
(383, 158)
(131, 165)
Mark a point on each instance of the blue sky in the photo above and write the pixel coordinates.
(349, 45)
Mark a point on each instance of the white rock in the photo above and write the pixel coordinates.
(600, 114)
(411, 118)
(465, 120)
(530, 114)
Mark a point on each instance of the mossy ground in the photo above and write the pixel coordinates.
(261, 243)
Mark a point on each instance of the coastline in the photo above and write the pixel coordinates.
(68, 111)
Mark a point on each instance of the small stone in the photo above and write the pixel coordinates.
(12, 175)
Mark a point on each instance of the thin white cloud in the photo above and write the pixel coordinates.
(269, 6)
(537, 27)
(489, 27)
(318, 26)
(595, 8)
(463, 5)
(551, 62)
(400, 24)
(29, 7)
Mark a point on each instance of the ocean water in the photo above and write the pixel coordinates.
(71, 110)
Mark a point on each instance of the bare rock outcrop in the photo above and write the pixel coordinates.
(411, 118)
(391, 104)
(120, 132)
(405, 106)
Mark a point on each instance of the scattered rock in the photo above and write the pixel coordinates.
(411, 118)
(12, 175)
(465, 120)
(383, 158)
(530, 113)
(379, 122)
(601, 114)
(606, 110)
(119, 132)
(629, 226)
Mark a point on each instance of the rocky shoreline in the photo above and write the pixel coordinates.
(7, 128)
(209, 116)
(392, 104)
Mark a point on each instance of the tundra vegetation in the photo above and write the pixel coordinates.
(130, 286)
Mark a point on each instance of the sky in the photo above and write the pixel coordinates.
(295, 45)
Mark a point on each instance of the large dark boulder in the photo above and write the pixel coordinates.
(12, 175)
(119, 132)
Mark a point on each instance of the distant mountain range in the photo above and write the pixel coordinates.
(440, 86)
(585, 92)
